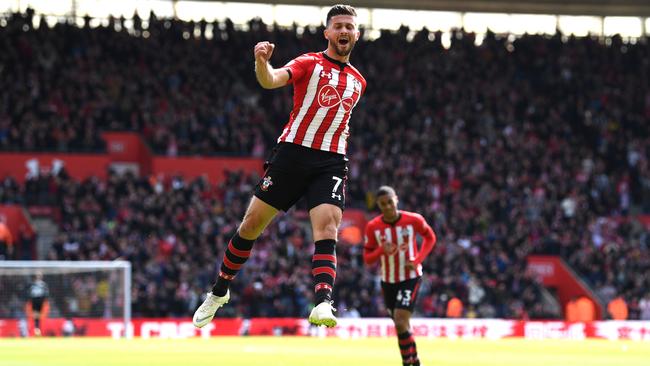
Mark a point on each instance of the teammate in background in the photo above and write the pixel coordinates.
(309, 160)
(37, 305)
(390, 239)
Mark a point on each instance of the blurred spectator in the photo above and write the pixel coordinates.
(644, 307)
(571, 310)
(27, 243)
(617, 309)
(6, 240)
(454, 308)
(585, 309)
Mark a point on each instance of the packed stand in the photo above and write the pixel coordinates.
(63, 86)
(174, 233)
(537, 145)
(511, 148)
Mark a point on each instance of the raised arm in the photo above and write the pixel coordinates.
(267, 76)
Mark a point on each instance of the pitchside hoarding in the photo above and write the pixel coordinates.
(347, 328)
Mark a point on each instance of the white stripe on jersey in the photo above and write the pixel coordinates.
(391, 269)
(343, 139)
(383, 267)
(401, 254)
(310, 93)
(340, 114)
(320, 114)
(411, 233)
(380, 240)
(391, 258)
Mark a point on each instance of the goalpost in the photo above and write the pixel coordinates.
(74, 289)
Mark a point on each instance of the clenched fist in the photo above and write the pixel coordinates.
(263, 51)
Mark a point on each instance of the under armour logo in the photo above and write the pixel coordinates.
(337, 196)
(325, 74)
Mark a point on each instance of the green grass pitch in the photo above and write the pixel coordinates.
(304, 351)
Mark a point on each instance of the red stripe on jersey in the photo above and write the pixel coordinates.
(315, 72)
(299, 91)
(344, 124)
(237, 252)
(324, 257)
(384, 267)
(321, 270)
(287, 129)
(331, 114)
(395, 277)
(313, 108)
(402, 234)
(337, 134)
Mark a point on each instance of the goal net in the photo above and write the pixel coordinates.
(47, 297)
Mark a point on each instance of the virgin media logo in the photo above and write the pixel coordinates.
(329, 97)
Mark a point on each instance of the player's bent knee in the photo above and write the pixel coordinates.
(402, 326)
(251, 227)
(328, 232)
(402, 321)
(257, 217)
(325, 221)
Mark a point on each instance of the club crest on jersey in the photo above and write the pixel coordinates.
(357, 86)
(383, 241)
(329, 97)
(266, 183)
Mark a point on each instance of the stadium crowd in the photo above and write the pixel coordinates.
(532, 145)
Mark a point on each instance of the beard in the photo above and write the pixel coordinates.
(342, 50)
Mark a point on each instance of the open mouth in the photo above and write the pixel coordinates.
(343, 41)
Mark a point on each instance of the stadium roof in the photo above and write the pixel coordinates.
(636, 8)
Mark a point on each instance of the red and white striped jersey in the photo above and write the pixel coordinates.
(325, 92)
(400, 238)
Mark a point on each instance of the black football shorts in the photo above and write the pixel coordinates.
(401, 295)
(294, 171)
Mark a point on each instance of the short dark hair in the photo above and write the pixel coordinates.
(339, 9)
(386, 190)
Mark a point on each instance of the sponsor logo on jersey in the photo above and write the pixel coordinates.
(329, 97)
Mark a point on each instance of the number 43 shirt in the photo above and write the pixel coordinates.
(400, 238)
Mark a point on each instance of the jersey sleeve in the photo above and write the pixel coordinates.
(429, 238)
(371, 249)
(297, 68)
(370, 242)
